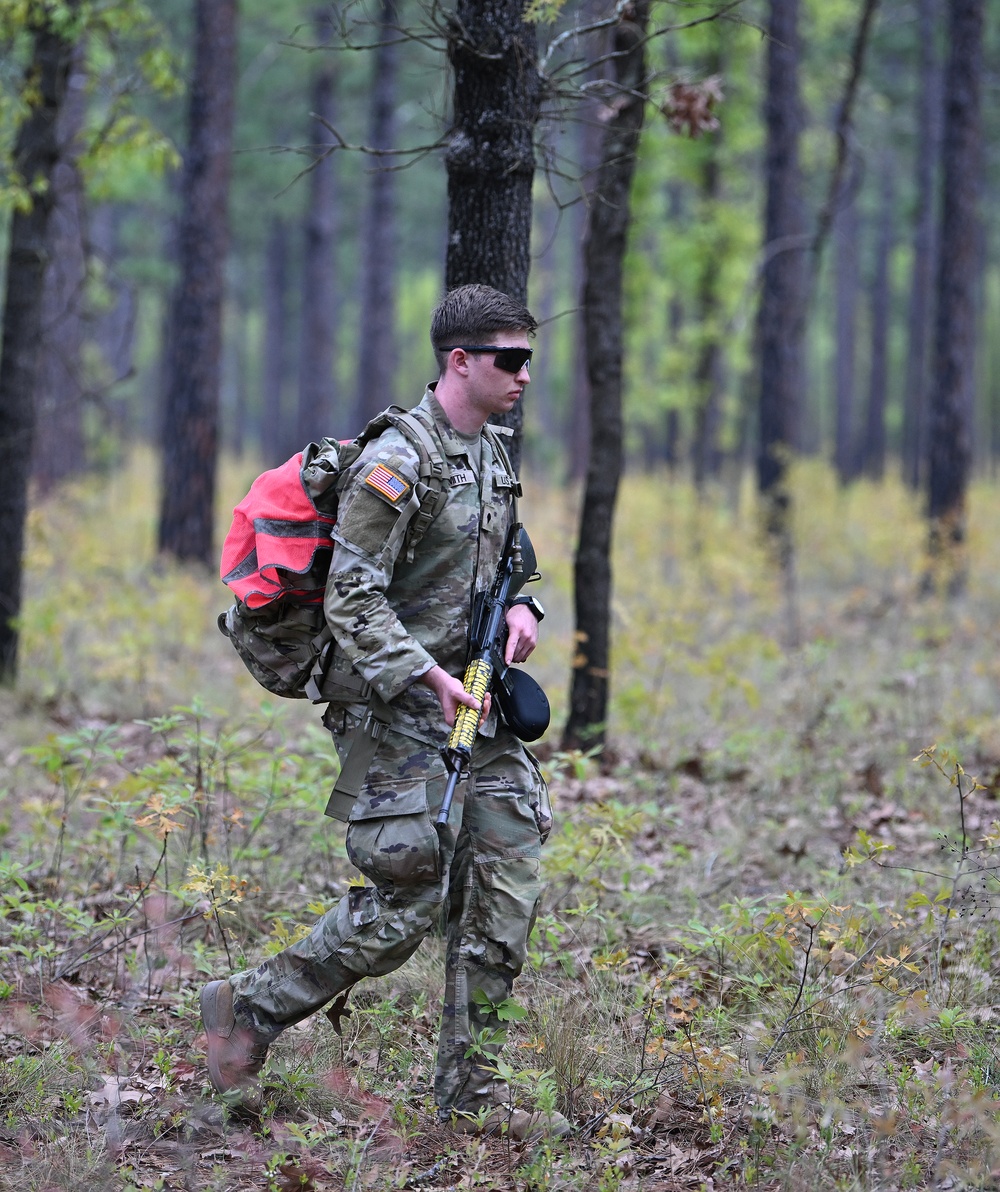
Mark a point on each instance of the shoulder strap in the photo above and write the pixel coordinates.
(434, 473)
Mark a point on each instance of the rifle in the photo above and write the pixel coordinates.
(522, 702)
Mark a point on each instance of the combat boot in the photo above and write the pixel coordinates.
(235, 1053)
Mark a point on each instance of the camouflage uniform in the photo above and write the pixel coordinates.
(393, 617)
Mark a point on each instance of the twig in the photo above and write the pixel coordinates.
(582, 67)
(72, 966)
(946, 917)
(697, 1066)
(222, 932)
(798, 998)
(364, 1151)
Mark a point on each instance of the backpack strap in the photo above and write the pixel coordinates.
(431, 489)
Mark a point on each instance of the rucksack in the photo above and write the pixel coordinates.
(277, 553)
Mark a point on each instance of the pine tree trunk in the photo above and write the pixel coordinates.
(114, 327)
(276, 437)
(607, 237)
(320, 314)
(675, 317)
(953, 371)
(377, 342)
(36, 152)
(709, 370)
(873, 461)
(928, 130)
(190, 442)
(781, 315)
(577, 434)
(490, 158)
(59, 451)
(845, 282)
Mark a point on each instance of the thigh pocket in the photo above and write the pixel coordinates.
(508, 898)
(390, 837)
(541, 804)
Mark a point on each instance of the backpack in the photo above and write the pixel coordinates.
(277, 553)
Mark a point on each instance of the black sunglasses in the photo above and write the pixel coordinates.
(511, 360)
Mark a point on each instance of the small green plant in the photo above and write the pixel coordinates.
(506, 1010)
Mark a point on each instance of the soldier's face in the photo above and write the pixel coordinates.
(492, 390)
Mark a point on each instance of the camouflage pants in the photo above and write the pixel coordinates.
(484, 873)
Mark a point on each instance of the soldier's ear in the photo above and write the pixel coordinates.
(458, 359)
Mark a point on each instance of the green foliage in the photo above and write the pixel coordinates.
(543, 12)
(125, 55)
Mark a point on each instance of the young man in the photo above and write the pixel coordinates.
(400, 620)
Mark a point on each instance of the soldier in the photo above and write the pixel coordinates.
(400, 620)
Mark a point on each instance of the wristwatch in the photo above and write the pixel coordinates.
(533, 603)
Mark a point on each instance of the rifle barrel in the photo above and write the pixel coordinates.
(449, 795)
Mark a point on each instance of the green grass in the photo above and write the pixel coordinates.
(765, 952)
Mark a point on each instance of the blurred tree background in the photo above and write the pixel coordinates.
(760, 458)
(746, 332)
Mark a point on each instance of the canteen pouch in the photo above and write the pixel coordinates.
(523, 704)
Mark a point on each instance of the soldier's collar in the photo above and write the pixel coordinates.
(452, 442)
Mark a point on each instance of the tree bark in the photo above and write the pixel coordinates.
(190, 443)
(604, 253)
(784, 287)
(577, 436)
(59, 451)
(320, 316)
(114, 327)
(36, 152)
(588, 133)
(953, 370)
(914, 448)
(709, 370)
(874, 445)
(377, 341)
(845, 282)
(490, 158)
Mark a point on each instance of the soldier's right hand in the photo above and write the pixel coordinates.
(451, 694)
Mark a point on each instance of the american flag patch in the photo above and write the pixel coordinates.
(386, 482)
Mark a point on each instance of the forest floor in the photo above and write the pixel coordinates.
(765, 952)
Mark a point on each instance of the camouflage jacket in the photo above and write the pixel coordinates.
(394, 618)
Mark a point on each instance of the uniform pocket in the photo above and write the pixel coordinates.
(390, 837)
(541, 804)
(504, 912)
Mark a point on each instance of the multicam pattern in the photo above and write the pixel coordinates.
(393, 618)
(486, 865)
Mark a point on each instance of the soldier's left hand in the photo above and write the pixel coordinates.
(522, 633)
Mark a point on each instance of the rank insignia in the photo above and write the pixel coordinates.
(385, 482)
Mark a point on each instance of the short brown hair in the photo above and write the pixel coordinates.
(470, 314)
